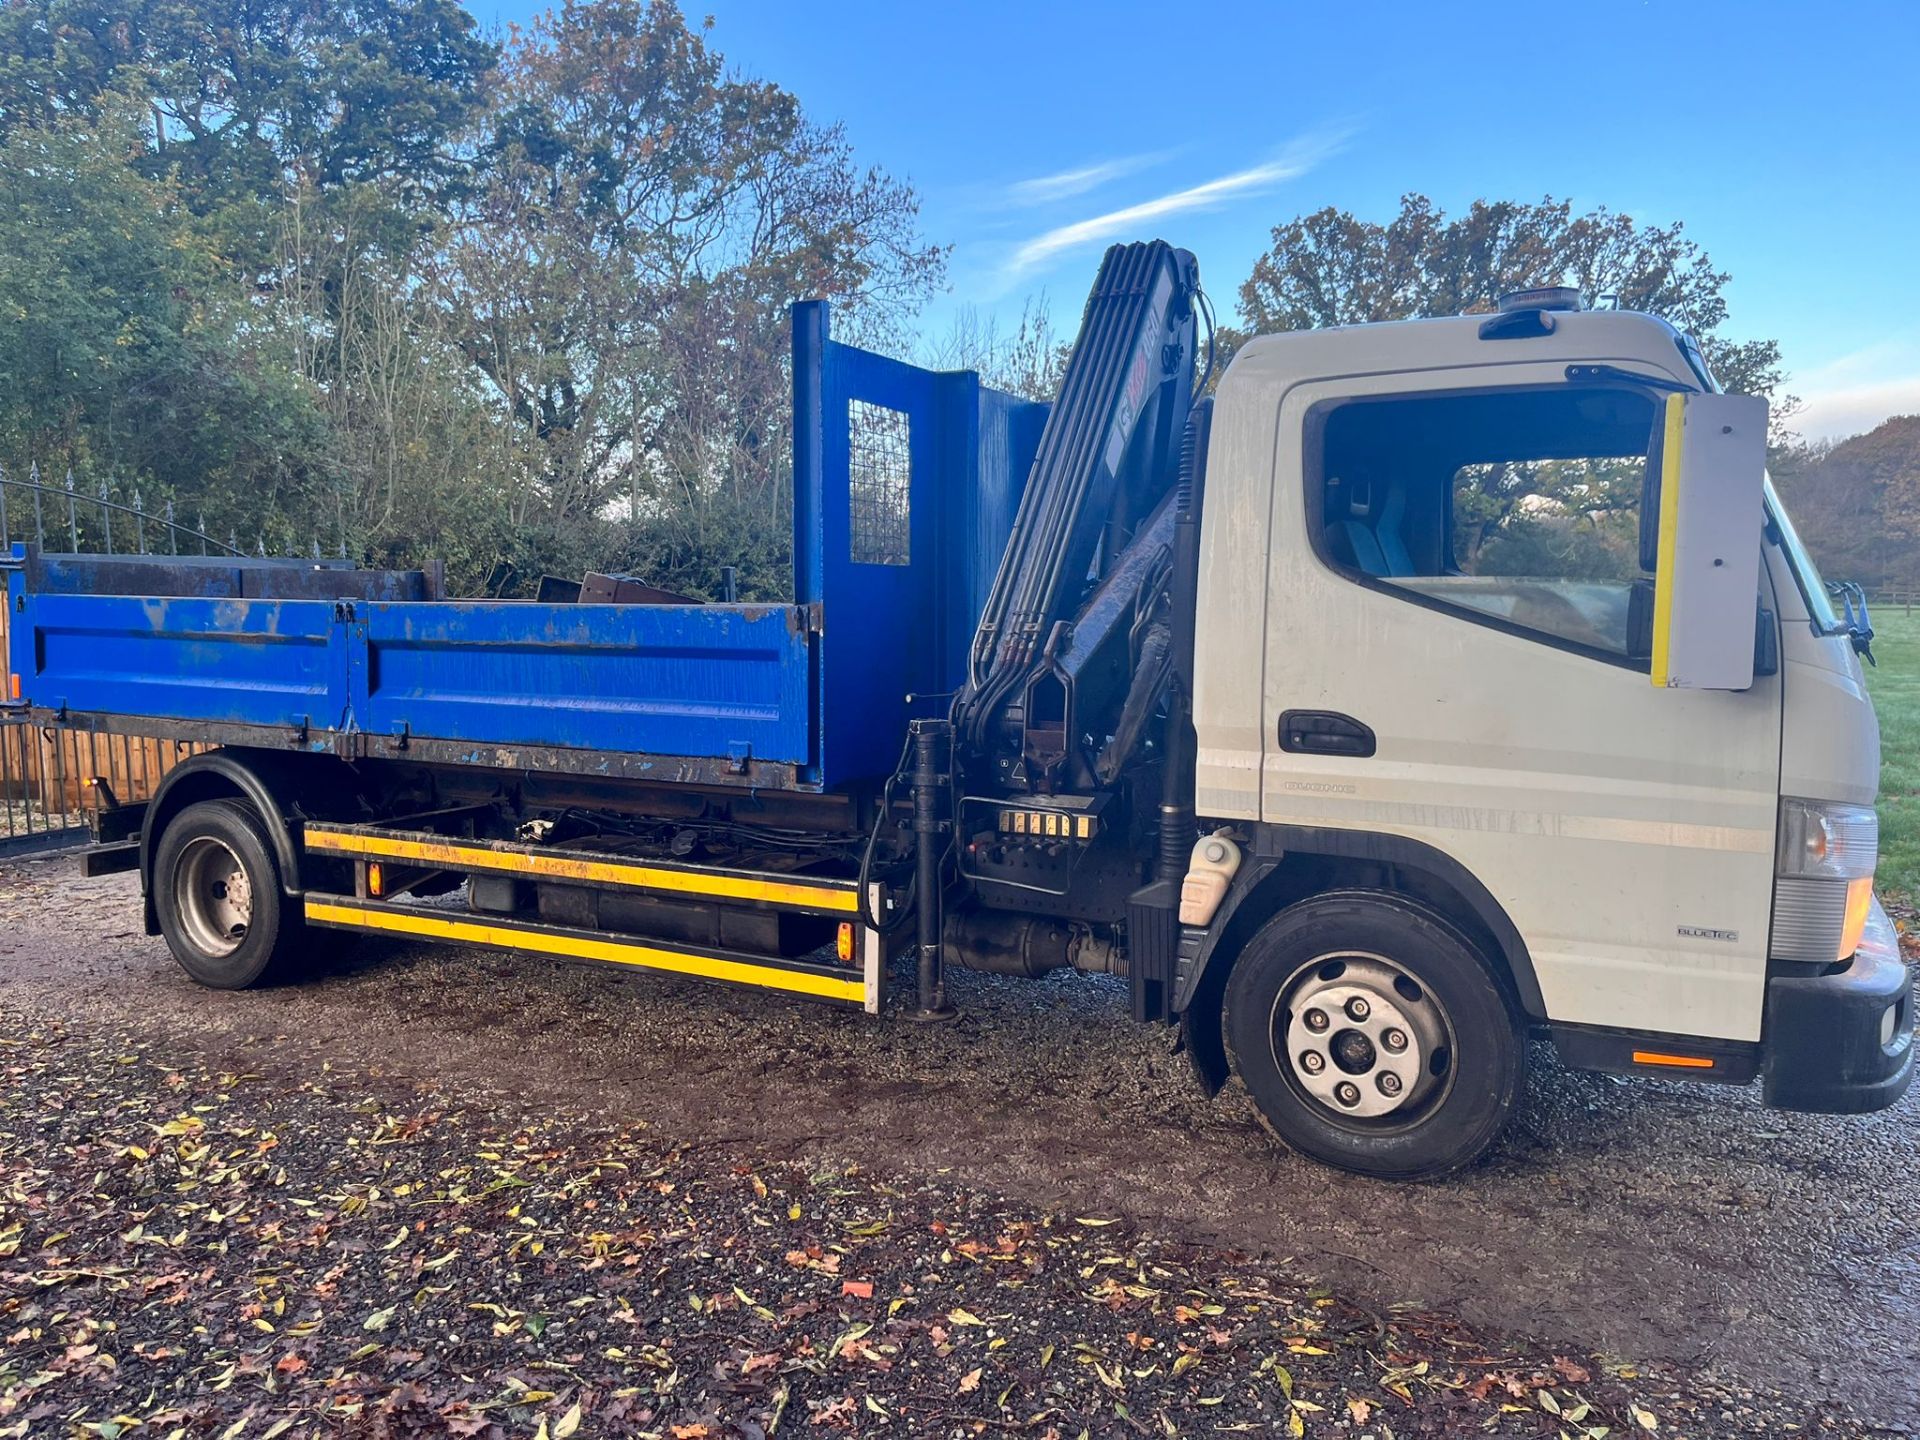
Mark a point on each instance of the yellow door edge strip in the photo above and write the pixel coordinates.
(580, 947)
(1672, 438)
(797, 894)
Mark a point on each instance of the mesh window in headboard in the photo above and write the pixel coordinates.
(880, 484)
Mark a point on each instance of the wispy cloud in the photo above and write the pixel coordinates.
(1854, 409)
(1065, 184)
(1294, 161)
(1855, 392)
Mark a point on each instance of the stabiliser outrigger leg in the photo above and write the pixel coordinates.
(931, 828)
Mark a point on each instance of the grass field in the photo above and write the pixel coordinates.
(1896, 698)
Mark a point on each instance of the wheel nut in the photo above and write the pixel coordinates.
(1316, 1019)
(1347, 1093)
(1389, 1083)
(1394, 1040)
(1357, 1008)
(1312, 1061)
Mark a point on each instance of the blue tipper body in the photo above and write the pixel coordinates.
(816, 691)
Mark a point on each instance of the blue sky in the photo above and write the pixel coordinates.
(1786, 136)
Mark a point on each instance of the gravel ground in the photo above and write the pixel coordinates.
(189, 1251)
(1636, 1220)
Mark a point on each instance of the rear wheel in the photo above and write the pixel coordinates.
(1374, 1036)
(216, 890)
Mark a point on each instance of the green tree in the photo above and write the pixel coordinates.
(621, 278)
(245, 98)
(1332, 268)
(277, 162)
(336, 271)
(126, 350)
(408, 449)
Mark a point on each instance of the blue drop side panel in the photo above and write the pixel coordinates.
(670, 680)
(234, 661)
(652, 679)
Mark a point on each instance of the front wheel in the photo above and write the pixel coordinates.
(1373, 1036)
(216, 891)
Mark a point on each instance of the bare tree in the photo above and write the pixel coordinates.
(1029, 361)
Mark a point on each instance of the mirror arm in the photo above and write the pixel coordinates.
(1859, 627)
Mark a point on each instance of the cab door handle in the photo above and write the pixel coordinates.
(1324, 732)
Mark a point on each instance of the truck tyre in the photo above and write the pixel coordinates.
(1373, 1036)
(216, 891)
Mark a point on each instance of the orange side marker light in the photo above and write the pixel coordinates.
(1681, 1062)
(843, 942)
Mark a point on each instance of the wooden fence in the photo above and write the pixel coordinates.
(1889, 601)
(51, 780)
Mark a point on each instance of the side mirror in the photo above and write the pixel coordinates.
(1700, 519)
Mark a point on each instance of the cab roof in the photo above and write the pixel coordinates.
(1619, 337)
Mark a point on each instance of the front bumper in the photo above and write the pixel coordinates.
(1842, 1044)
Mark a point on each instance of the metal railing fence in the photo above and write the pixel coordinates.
(53, 779)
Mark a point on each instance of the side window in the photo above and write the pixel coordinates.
(1521, 507)
(879, 485)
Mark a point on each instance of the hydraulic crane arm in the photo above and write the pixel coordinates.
(1106, 459)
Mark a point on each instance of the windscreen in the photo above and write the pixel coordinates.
(1805, 573)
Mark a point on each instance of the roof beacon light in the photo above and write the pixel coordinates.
(1541, 297)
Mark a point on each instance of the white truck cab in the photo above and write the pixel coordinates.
(1502, 608)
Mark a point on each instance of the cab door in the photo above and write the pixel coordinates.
(1463, 658)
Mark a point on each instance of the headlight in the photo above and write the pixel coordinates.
(1828, 842)
(1823, 889)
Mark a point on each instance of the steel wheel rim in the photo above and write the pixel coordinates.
(1379, 1067)
(213, 896)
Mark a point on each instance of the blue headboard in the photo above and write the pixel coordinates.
(905, 485)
